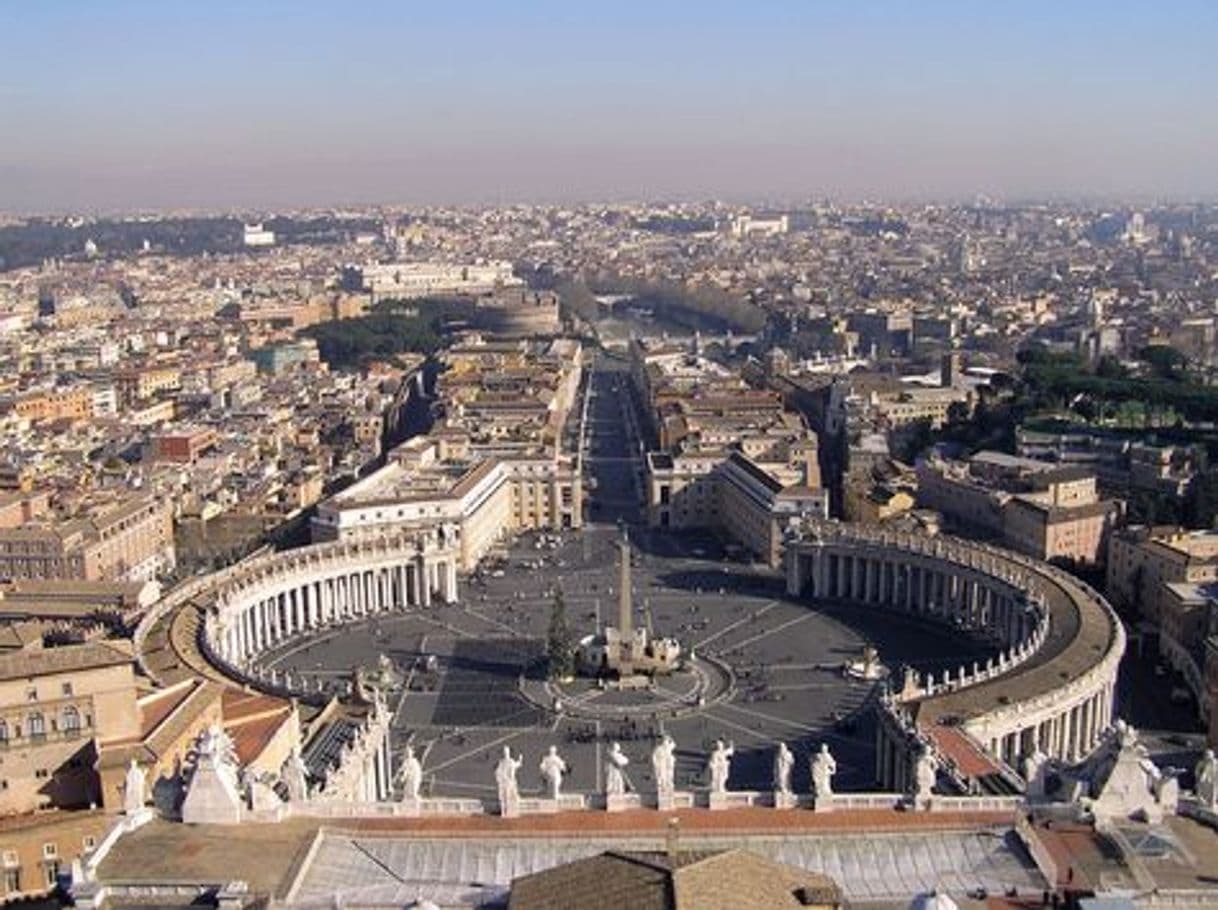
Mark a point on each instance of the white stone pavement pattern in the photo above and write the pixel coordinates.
(871, 867)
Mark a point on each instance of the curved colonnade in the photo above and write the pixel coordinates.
(269, 600)
(1053, 685)
(317, 587)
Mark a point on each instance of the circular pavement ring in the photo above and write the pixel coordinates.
(714, 681)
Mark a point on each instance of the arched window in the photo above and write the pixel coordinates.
(36, 726)
(3, 732)
(70, 722)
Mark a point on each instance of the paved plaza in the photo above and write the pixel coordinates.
(467, 666)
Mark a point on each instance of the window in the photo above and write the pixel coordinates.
(67, 689)
(49, 851)
(52, 873)
(36, 726)
(31, 694)
(70, 722)
(12, 881)
(10, 858)
(3, 732)
(89, 841)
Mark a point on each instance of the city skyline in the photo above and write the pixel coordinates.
(142, 107)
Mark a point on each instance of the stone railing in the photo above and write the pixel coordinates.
(924, 685)
(456, 807)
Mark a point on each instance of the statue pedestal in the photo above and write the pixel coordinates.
(545, 805)
(509, 808)
(729, 799)
(410, 808)
(571, 802)
(680, 799)
(785, 800)
(623, 802)
(822, 803)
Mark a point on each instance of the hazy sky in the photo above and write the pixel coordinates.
(266, 103)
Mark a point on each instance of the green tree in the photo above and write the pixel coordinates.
(1164, 361)
(560, 645)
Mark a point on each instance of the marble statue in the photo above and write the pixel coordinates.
(1034, 771)
(1125, 783)
(133, 789)
(295, 776)
(719, 766)
(1206, 784)
(262, 795)
(925, 768)
(615, 770)
(823, 767)
(664, 765)
(552, 769)
(412, 774)
(505, 778)
(784, 761)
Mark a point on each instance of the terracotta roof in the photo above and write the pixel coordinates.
(964, 753)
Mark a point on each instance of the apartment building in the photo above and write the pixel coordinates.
(1040, 509)
(1143, 560)
(56, 705)
(127, 540)
(75, 403)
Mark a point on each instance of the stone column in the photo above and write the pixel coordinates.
(259, 632)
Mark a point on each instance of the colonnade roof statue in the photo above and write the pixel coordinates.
(1205, 775)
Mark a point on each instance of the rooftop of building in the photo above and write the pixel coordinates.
(451, 860)
(94, 655)
(682, 879)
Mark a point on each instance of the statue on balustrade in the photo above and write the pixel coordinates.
(552, 769)
(1035, 770)
(1206, 785)
(133, 788)
(664, 765)
(295, 776)
(719, 766)
(505, 778)
(615, 770)
(925, 771)
(784, 761)
(412, 775)
(823, 767)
